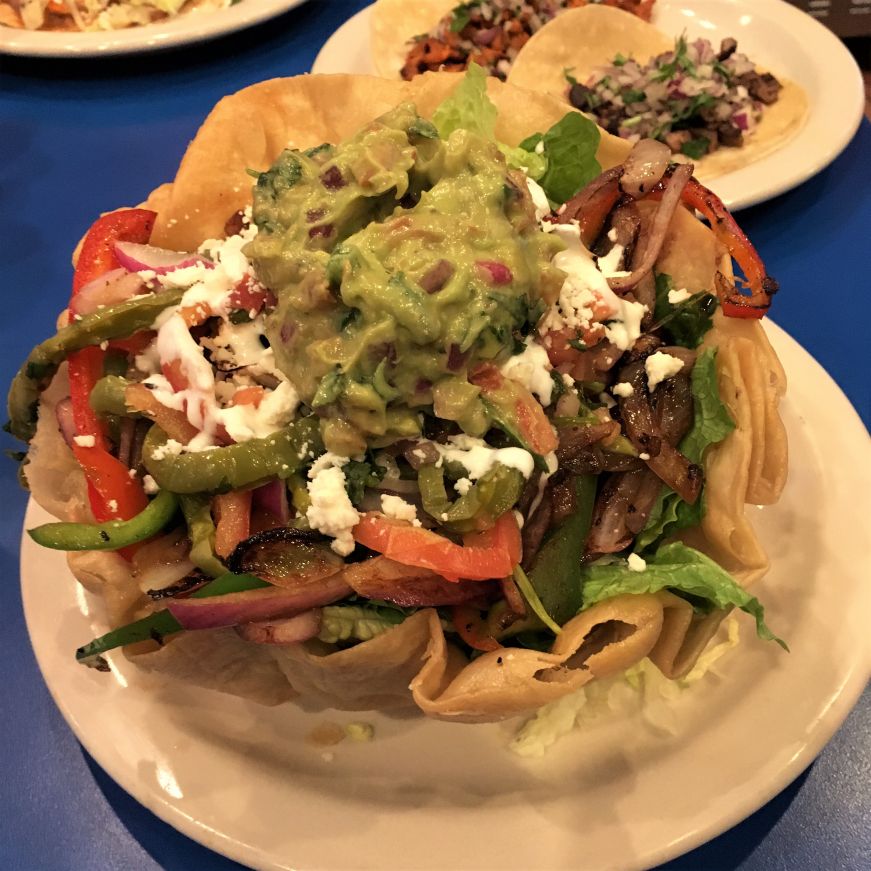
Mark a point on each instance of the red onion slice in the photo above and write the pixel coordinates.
(136, 258)
(293, 630)
(63, 413)
(407, 586)
(253, 606)
(111, 288)
(272, 497)
(652, 244)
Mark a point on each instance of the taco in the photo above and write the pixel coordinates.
(447, 36)
(707, 102)
(391, 427)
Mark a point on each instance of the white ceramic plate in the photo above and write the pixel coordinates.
(242, 780)
(775, 34)
(192, 27)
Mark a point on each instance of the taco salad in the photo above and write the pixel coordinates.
(409, 394)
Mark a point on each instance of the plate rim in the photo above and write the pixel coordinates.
(851, 82)
(852, 681)
(184, 29)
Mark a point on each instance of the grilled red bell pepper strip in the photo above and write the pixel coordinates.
(111, 491)
(725, 228)
(97, 256)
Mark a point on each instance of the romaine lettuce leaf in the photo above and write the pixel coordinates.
(680, 569)
(711, 421)
(357, 622)
(711, 424)
(570, 149)
(564, 163)
(468, 107)
(685, 322)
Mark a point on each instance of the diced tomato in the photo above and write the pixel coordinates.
(174, 373)
(248, 396)
(250, 296)
(196, 314)
(518, 404)
(233, 520)
(484, 555)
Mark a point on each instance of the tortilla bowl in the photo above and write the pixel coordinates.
(414, 665)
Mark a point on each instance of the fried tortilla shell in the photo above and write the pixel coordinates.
(579, 40)
(414, 663)
(603, 640)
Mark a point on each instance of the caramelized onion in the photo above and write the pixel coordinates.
(644, 432)
(644, 167)
(651, 245)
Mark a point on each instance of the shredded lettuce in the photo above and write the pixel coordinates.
(680, 569)
(642, 688)
(357, 622)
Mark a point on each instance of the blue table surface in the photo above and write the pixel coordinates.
(84, 136)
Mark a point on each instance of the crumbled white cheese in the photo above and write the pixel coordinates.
(397, 508)
(112, 505)
(275, 411)
(644, 456)
(585, 298)
(623, 389)
(331, 511)
(170, 448)
(327, 460)
(635, 563)
(659, 367)
(85, 441)
(531, 368)
(675, 297)
(462, 486)
(149, 485)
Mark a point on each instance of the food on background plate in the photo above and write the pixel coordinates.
(456, 406)
(442, 35)
(710, 104)
(97, 15)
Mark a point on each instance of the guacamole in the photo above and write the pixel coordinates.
(400, 262)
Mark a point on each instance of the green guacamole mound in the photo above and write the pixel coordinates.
(399, 261)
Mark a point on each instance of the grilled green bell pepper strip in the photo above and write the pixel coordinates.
(111, 535)
(155, 627)
(114, 322)
(492, 495)
(201, 528)
(503, 418)
(221, 469)
(107, 396)
(555, 573)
